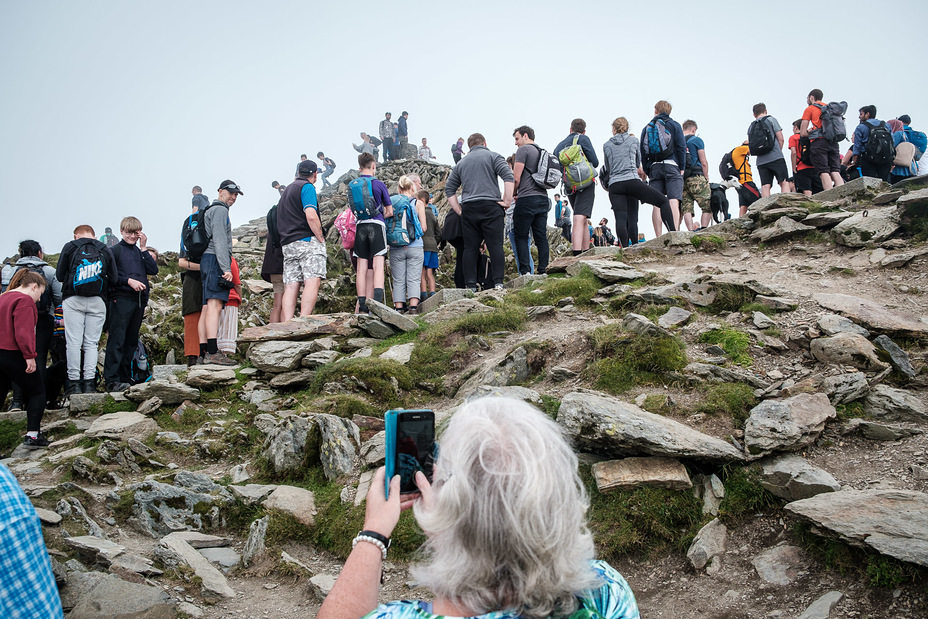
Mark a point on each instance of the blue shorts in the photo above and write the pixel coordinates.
(210, 275)
(430, 260)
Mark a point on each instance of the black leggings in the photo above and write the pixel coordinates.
(625, 196)
(32, 386)
(44, 330)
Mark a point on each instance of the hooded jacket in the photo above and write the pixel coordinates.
(34, 261)
(622, 156)
(131, 263)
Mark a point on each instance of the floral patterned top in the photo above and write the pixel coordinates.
(613, 600)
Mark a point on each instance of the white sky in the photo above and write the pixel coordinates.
(118, 108)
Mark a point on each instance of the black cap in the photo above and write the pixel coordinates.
(905, 119)
(231, 187)
(307, 167)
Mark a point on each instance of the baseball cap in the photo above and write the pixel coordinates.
(307, 167)
(231, 187)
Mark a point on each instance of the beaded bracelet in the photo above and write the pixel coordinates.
(371, 540)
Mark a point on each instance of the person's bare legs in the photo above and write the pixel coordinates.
(675, 209)
(785, 187)
(765, 190)
(361, 282)
(688, 220)
(210, 317)
(656, 221)
(580, 233)
(275, 309)
(706, 219)
(288, 302)
(377, 265)
(827, 181)
(310, 294)
(836, 177)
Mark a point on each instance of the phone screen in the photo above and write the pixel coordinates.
(415, 447)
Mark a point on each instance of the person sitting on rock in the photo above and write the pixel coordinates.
(505, 524)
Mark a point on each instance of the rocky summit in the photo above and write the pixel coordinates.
(749, 404)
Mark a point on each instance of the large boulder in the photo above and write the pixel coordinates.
(97, 595)
(890, 404)
(847, 349)
(866, 227)
(892, 522)
(278, 356)
(122, 426)
(301, 328)
(169, 393)
(792, 477)
(159, 508)
(778, 201)
(786, 425)
(332, 441)
(873, 315)
(610, 427)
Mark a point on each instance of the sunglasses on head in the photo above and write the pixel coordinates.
(232, 187)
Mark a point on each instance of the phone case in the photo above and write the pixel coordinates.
(391, 419)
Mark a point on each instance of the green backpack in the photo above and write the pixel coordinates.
(578, 172)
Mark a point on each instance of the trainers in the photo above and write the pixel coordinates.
(117, 387)
(219, 358)
(73, 387)
(15, 405)
(35, 443)
(498, 287)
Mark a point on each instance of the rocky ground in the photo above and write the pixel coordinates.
(749, 403)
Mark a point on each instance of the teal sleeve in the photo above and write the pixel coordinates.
(308, 197)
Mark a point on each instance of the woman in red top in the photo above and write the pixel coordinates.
(18, 317)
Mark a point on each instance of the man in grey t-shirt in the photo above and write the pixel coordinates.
(531, 210)
(771, 164)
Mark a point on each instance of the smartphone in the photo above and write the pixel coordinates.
(410, 447)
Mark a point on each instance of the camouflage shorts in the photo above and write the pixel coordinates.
(303, 260)
(695, 189)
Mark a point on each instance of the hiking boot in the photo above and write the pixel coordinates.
(219, 358)
(413, 310)
(35, 443)
(73, 387)
(87, 386)
(15, 405)
(498, 287)
(117, 387)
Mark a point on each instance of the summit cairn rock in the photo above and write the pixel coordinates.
(787, 424)
(892, 522)
(607, 426)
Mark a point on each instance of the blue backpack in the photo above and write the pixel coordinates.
(919, 139)
(403, 227)
(658, 143)
(361, 198)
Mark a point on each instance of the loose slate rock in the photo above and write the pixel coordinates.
(821, 608)
(832, 324)
(892, 404)
(104, 596)
(897, 357)
(787, 424)
(780, 304)
(392, 317)
(609, 271)
(296, 378)
(169, 393)
(792, 477)
(211, 378)
(847, 349)
(456, 309)
(873, 315)
(297, 502)
(278, 356)
(868, 226)
(401, 353)
(635, 472)
(674, 317)
(780, 230)
(708, 544)
(252, 493)
(122, 426)
(212, 580)
(779, 565)
(608, 426)
(892, 522)
(301, 328)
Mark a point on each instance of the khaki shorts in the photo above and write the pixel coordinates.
(696, 189)
(303, 260)
(278, 280)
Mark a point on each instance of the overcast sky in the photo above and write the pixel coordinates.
(118, 108)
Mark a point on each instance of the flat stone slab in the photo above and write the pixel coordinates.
(83, 402)
(95, 595)
(635, 472)
(252, 493)
(224, 557)
(826, 219)
(47, 516)
(301, 328)
(443, 297)
(609, 271)
(169, 393)
(213, 582)
(892, 522)
(298, 502)
(783, 228)
(524, 280)
(779, 565)
(873, 315)
(605, 425)
(211, 376)
(399, 353)
(868, 226)
(674, 317)
(278, 355)
(125, 425)
(821, 608)
(202, 540)
(456, 309)
(392, 317)
(792, 477)
(165, 372)
(295, 378)
(101, 550)
(858, 186)
(787, 424)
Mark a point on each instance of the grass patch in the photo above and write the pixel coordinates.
(429, 361)
(750, 308)
(851, 410)
(729, 297)
(122, 509)
(734, 399)
(657, 403)
(550, 406)
(581, 287)
(109, 405)
(641, 521)
(735, 343)
(346, 406)
(191, 419)
(376, 375)
(707, 241)
(845, 271)
(743, 494)
(11, 435)
(623, 360)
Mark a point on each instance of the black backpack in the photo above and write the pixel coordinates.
(44, 304)
(727, 167)
(805, 150)
(879, 148)
(196, 236)
(689, 169)
(761, 138)
(87, 273)
(140, 366)
(273, 234)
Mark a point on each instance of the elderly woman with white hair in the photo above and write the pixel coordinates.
(505, 518)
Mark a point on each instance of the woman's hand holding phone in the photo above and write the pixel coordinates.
(382, 514)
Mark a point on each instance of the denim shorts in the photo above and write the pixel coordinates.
(211, 274)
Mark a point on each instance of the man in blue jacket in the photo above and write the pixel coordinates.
(128, 298)
(663, 156)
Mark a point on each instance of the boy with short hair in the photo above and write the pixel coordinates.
(771, 165)
(370, 240)
(128, 294)
(85, 270)
(805, 179)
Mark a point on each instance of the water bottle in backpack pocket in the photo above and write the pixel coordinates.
(140, 366)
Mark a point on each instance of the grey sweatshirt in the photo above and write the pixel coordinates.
(477, 173)
(220, 235)
(622, 157)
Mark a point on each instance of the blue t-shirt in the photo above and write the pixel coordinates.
(693, 145)
(612, 600)
(309, 200)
